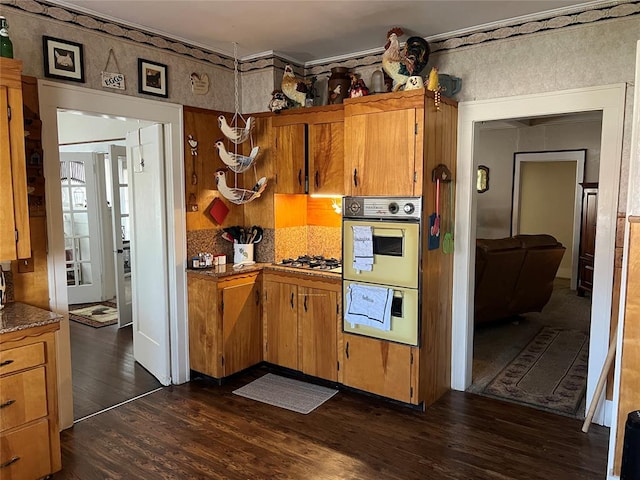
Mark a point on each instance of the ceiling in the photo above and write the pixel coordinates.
(309, 31)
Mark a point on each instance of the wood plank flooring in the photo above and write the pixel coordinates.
(201, 430)
(104, 372)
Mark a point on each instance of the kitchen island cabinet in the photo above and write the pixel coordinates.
(225, 330)
(302, 323)
(309, 150)
(15, 240)
(381, 367)
(29, 428)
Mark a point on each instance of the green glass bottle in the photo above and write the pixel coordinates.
(6, 47)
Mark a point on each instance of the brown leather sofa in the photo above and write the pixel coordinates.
(514, 275)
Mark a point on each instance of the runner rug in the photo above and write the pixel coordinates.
(286, 393)
(550, 373)
(94, 314)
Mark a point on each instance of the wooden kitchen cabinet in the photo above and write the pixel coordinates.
(15, 241)
(29, 431)
(381, 367)
(225, 330)
(309, 150)
(383, 147)
(302, 320)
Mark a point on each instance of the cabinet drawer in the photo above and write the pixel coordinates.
(23, 398)
(24, 453)
(20, 358)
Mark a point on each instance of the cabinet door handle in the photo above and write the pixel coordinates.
(355, 177)
(10, 462)
(291, 300)
(317, 179)
(300, 177)
(257, 297)
(347, 351)
(6, 362)
(305, 303)
(7, 403)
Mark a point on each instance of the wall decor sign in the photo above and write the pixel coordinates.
(152, 78)
(63, 59)
(111, 79)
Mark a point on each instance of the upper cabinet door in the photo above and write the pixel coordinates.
(291, 158)
(380, 153)
(326, 158)
(7, 220)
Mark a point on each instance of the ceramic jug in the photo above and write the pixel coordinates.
(339, 83)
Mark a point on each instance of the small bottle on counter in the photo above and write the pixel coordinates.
(6, 47)
(195, 262)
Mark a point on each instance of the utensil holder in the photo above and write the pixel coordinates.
(243, 253)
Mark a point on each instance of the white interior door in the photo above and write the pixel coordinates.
(81, 218)
(149, 265)
(121, 221)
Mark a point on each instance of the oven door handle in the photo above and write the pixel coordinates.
(378, 229)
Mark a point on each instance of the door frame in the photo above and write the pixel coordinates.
(57, 95)
(610, 99)
(579, 156)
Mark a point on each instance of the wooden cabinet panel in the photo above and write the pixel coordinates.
(317, 321)
(281, 312)
(24, 453)
(204, 329)
(15, 241)
(241, 327)
(380, 153)
(23, 398)
(379, 367)
(290, 151)
(19, 358)
(326, 158)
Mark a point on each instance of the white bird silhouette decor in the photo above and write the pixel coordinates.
(236, 162)
(238, 195)
(236, 134)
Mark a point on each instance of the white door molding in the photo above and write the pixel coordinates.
(610, 99)
(54, 96)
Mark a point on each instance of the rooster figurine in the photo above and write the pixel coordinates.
(238, 195)
(402, 63)
(294, 88)
(236, 162)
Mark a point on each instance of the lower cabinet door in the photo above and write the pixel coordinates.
(378, 366)
(318, 331)
(24, 453)
(281, 307)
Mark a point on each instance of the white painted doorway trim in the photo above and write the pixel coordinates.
(578, 156)
(610, 99)
(57, 95)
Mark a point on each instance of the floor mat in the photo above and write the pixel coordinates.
(100, 314)
(286, 393)
(549, 373)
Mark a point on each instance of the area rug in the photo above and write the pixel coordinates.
(550, 373)
(286, 393)
(94, 314)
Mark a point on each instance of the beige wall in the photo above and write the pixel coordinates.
(550, 209)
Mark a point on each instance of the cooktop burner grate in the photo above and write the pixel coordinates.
(318, 262)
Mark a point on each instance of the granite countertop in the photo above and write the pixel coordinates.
(19, 316)
(221, 271)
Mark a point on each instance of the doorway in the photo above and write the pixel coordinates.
(610, 100)
(54, 96)
(531, 329)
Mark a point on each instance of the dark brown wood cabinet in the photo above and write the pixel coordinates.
(587, 237)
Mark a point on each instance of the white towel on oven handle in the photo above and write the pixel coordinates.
(369, 306)
(362, 248)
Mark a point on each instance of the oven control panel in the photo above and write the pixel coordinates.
(382, 207)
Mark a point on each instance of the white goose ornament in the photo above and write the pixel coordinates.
(236, 162)
(236, 134)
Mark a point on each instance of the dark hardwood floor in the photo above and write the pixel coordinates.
(104, 372)
(201, 430)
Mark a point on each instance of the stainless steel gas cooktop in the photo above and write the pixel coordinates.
(315, 262)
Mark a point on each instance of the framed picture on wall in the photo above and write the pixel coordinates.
(152, 78)
(63, 59)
